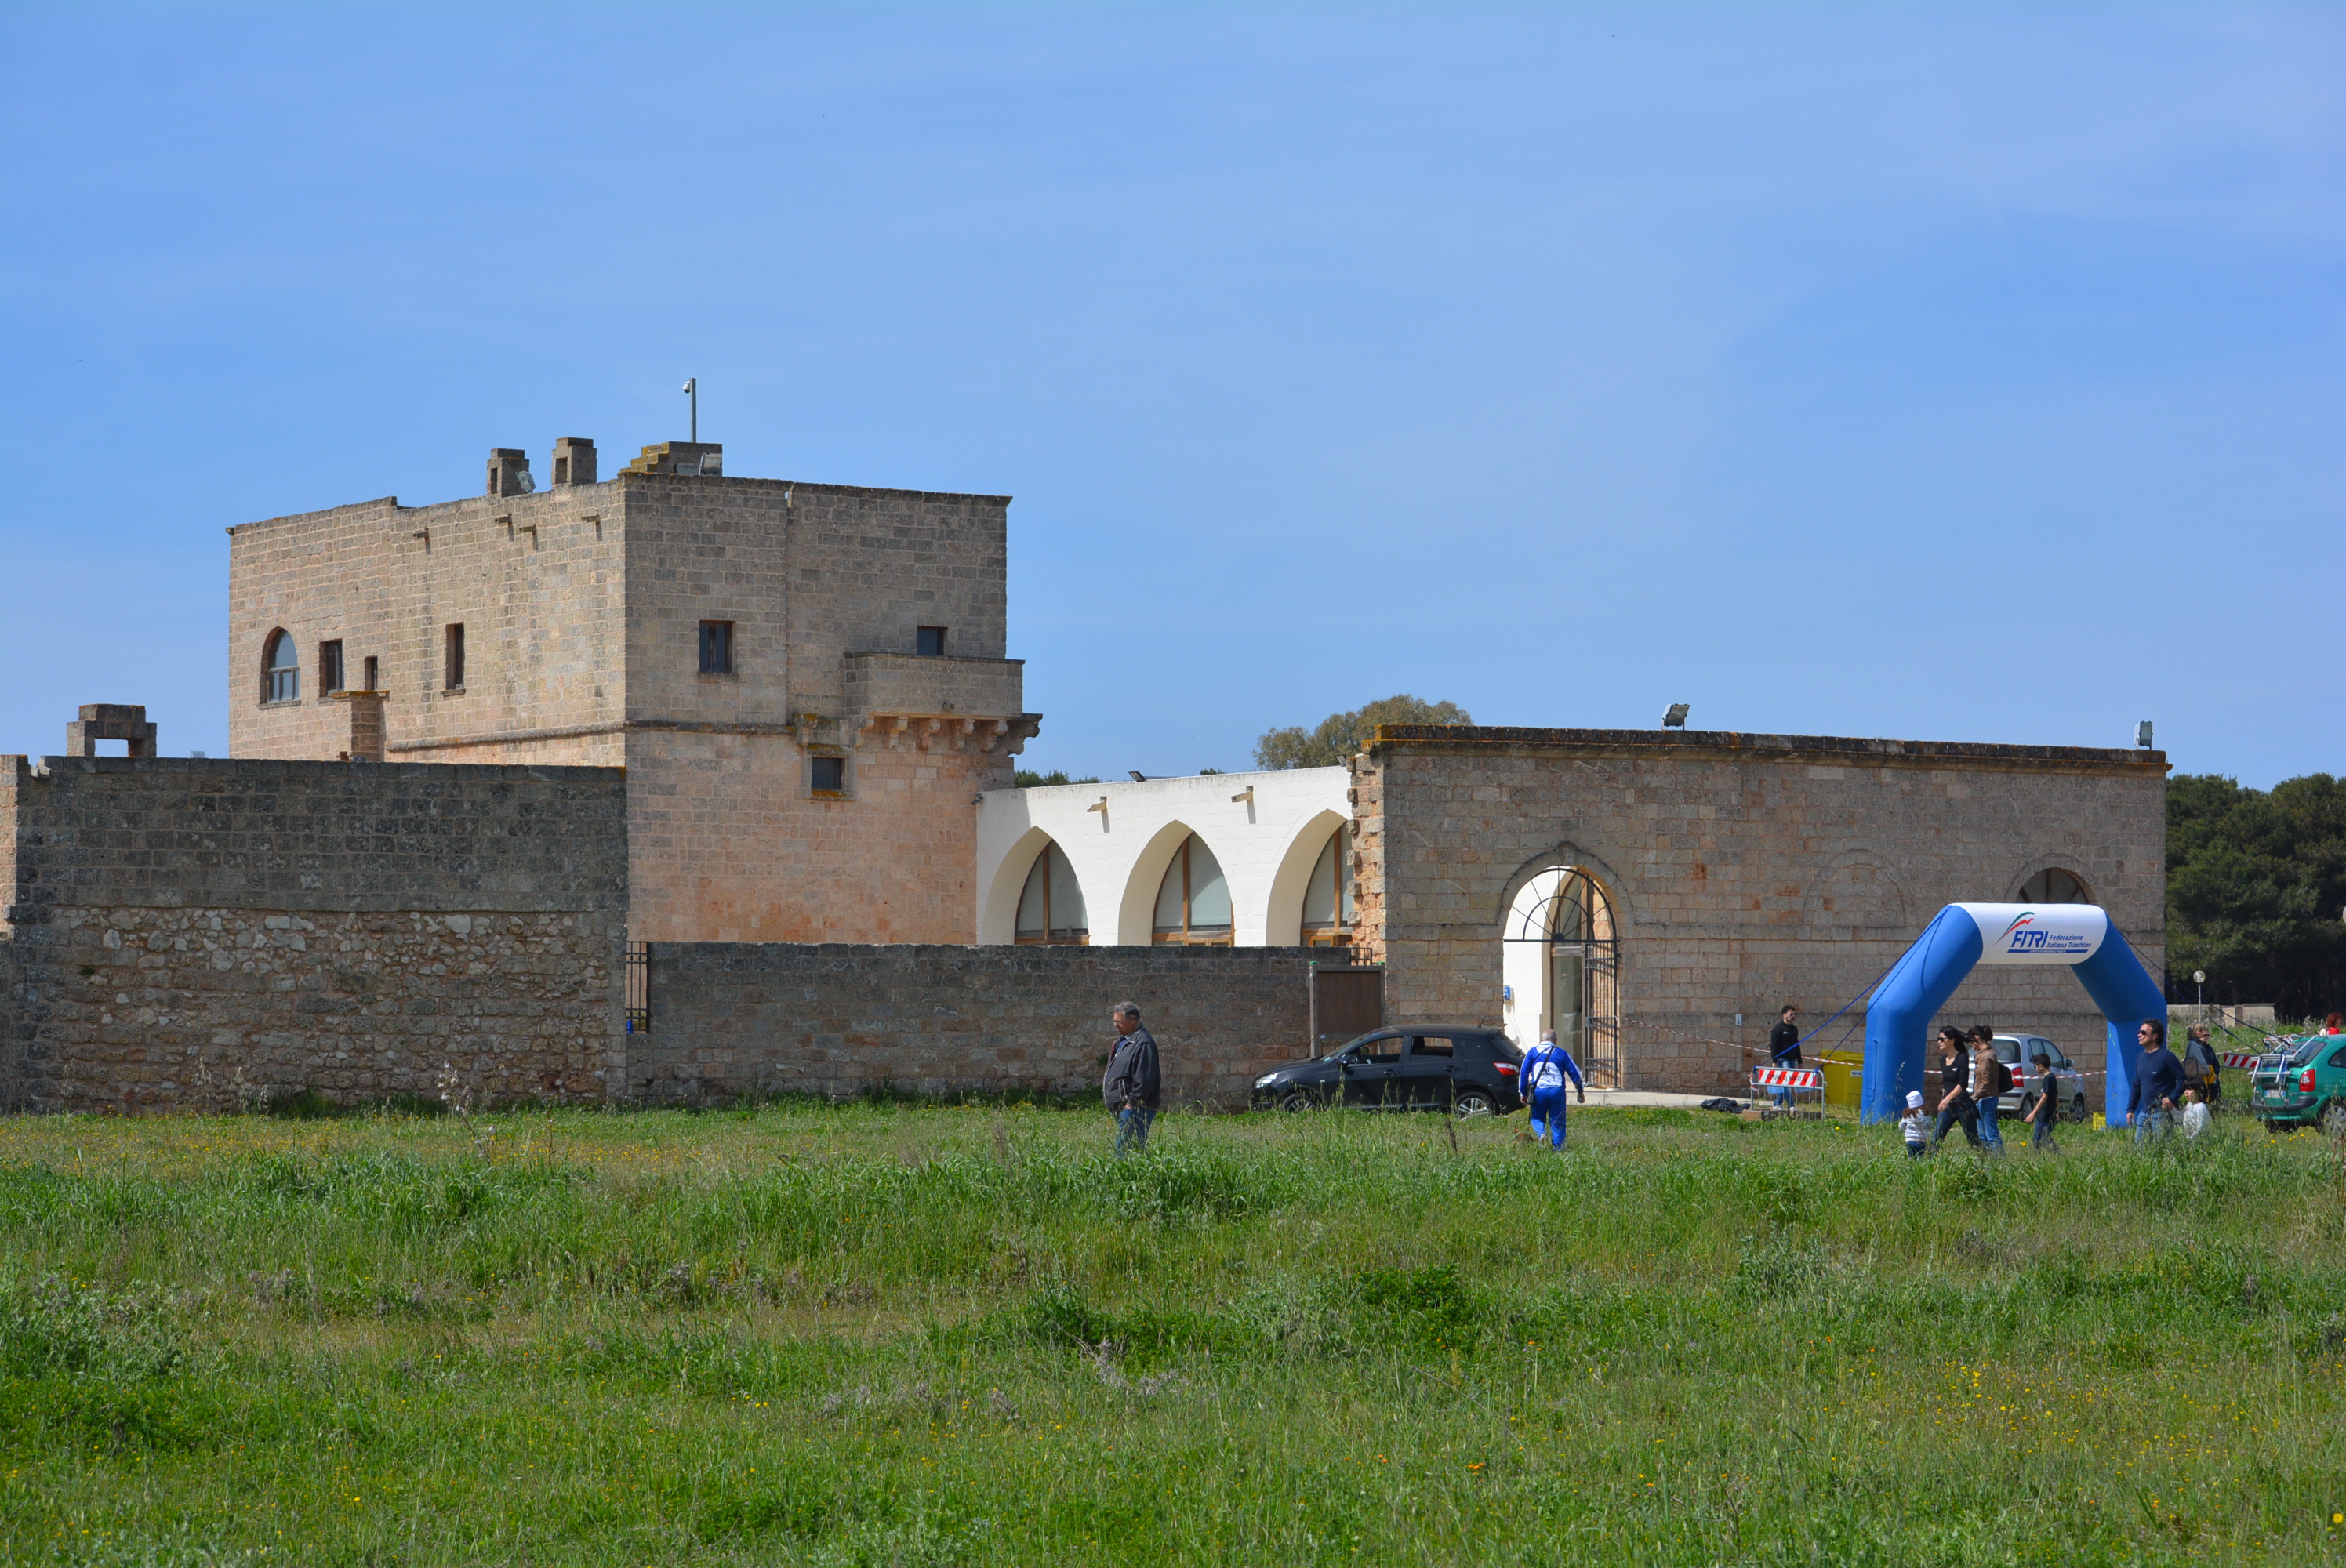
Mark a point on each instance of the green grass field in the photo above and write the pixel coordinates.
(873, 1334)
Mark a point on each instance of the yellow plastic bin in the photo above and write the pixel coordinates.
(1844, 1082)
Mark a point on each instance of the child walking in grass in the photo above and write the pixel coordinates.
(2047, 1109)
(1915, 1124)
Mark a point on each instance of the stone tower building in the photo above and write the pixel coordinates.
(806, 683)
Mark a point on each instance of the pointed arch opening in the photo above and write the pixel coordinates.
(1327, 895)
(1051, 903)
(1193, 900)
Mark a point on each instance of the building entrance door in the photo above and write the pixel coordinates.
(1562, 927)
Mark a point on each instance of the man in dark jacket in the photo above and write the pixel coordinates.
(1132, 1087)
(2158, 1085)
(1784, 1048)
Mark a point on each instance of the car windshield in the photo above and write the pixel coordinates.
(2306, 1050)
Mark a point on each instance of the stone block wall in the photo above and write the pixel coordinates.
(582, 607)
(184, 930)
(1744, 871)
(536, 582)
(840, 1018)
(731, 844)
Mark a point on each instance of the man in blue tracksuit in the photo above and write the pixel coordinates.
(1545, 1068)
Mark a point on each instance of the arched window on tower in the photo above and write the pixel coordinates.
(1193, 901)
(1327, 896)
(280, 668)
(2055, 886)
(1051, 906)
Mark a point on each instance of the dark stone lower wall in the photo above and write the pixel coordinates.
(837, 1019)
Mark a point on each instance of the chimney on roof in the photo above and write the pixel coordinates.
(124, 722)
(574, 461)
(509, 471)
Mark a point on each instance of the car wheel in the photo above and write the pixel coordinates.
(1473, 1102)
(1298, 1100)
(2333, 1118)
(2078, 1109)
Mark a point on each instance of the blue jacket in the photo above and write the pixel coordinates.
(2160, 1077)
(1544, 1062)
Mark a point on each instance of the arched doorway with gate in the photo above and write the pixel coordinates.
(1561, 965)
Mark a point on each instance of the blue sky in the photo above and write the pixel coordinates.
(1966, 373)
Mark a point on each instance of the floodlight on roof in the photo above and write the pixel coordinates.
(1675, 718)
(2142, 733)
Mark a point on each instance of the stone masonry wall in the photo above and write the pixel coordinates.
(837, 1019)
(582, 607)
(732, 844)
(340, 927)
(204, 1008)
(1745, 871)
(536, 582)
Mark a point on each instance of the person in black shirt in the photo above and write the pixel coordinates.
(1956, 1108)
(2047, 1109)
(1784, 1049)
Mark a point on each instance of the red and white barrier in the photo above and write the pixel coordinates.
(1787, 1078)
(2237, 1058)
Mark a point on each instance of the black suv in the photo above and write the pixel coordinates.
(1463, 1068)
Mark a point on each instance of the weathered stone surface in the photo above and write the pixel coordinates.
(189, 933)
(581, 606)
(838, 1019)
(1746, 870)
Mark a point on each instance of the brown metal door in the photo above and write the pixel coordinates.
(1347, 1001)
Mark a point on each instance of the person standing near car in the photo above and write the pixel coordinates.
(2158, 1085)
(1132, 1087)
(1542, 1073)
(1955, 1107)
(1784, 1048)
(1989, 1082)
(2047, 1109)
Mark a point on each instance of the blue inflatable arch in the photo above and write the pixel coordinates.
(1964, 936)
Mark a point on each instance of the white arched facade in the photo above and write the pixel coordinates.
(1266, 831)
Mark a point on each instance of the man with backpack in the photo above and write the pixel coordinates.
(1542, 1073)
(1991, 1081)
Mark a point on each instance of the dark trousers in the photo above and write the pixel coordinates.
(2040, 1134)
(1963, 1113)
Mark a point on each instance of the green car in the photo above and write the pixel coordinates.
(2300, 1082)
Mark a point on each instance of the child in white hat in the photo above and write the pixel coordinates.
(1915, 1124)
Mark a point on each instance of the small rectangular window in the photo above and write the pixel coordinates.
(830, 775)
(932, 642)
(452, 660)
(329, 666)
(369, 674)
(717, 647)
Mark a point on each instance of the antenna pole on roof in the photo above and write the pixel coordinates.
(692, 391)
